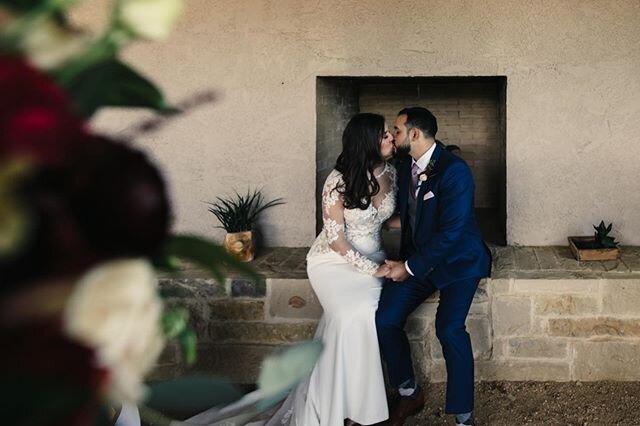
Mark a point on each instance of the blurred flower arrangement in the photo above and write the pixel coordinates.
(85, 223)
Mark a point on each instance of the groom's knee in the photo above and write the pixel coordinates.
(387, 320)
(449, 333)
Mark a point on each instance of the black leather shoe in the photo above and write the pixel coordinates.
(407, 406)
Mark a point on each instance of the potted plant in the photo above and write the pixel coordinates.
(599, 247)
(238, 214)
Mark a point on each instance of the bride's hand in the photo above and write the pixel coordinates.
(393, 222)
(382, 271)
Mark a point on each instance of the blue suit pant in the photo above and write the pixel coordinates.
(397, 302)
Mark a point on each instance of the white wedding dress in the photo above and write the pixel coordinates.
(347, 381)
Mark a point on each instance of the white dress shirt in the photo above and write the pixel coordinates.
(422, 163)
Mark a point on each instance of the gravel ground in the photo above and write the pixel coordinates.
(541, 403)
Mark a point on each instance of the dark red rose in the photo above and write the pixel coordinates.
(47, 378)
(118, 198)
(54, 244)
(36, 119)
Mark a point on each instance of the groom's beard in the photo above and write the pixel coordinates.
(402, 150)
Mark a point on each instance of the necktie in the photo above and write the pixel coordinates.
(415, 170)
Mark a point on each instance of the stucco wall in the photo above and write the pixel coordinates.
(573, 109)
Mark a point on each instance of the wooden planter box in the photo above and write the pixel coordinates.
(581, 251)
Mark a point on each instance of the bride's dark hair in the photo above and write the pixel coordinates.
(360, 154)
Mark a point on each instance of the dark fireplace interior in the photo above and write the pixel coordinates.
(471, 113)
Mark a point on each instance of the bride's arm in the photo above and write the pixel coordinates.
(333, 217)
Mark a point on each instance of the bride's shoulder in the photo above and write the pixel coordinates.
(334, 176)
(388, 169)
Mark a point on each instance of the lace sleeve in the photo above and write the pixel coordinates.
(333, 217)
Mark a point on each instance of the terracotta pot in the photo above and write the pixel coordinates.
(240, 245)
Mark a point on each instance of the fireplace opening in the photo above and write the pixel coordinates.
(471, 113)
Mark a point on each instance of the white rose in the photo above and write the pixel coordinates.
(115, 308)
(49, 45)
(149, 19)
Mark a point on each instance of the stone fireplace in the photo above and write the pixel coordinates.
(471, 113)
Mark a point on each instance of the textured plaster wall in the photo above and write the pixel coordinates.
(573, 100)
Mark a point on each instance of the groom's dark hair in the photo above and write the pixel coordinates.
(420, 118)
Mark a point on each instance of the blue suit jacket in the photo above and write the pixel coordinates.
(446, 245)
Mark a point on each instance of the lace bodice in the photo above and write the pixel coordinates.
(354, 233)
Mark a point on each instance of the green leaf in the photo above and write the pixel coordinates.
(280, 373)
(191, 394)
(239, 212)
(189, 345)
(166, 263)
(113, 83)
(174, 322)
(55, 399)
(22, 5)
(208, 255)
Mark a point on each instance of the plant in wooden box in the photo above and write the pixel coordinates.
(599, 247)
(238, 215)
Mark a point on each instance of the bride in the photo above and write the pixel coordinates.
(345, 265)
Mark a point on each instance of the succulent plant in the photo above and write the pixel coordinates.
(240, 212)
(602, 237)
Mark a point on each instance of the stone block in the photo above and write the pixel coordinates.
(511, 315)
(561, 286)
(498, 286)
(565, 305)
(539, 326)
(615, 267)
(594, 326)
(479, 328)
(526, 258)
(259, 332)
(614, 360)
(234, 309)
(532, 347)
(521, 370)
(480, 308)
(421, 362)
(186, 288)
(509, 370)
(500, 348)
(621, 297)
(481, 293)
(244, 287)
(417, 327)
(503, 259)
(198, 314)
(631, 258)
(547, 258)
(425, 310)
(290, 298)
(236, 363)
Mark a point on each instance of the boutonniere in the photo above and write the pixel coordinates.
(428, 172)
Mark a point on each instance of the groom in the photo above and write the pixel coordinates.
(443, 250)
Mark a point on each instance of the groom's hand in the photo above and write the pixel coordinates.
(397, 271)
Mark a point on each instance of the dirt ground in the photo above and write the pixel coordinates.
(541, 403)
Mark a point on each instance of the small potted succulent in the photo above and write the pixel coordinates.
(238, 215)
(599, 247)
